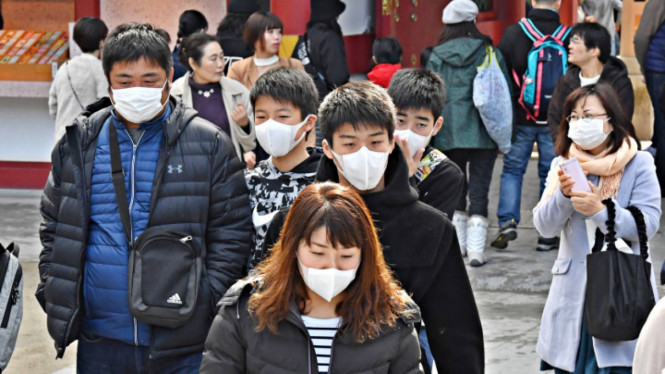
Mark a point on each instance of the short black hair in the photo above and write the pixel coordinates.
(387, 50)
(257, 24)
(287, 85)
(417, 89)
(193, 46)
(131, 42)
(88, 32)
(232, 26)
(191, 21)
(359, 104)
(594, 35)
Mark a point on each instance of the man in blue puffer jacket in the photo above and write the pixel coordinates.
(650, 52)
(180, 174)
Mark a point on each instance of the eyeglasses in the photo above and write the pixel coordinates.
(586, 117)
(576, 40)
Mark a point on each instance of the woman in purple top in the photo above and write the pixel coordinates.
(218, 99)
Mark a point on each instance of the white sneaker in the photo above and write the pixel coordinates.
(477, 259)
(476, 231)
(460, 219)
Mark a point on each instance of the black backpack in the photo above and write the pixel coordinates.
(302, 53)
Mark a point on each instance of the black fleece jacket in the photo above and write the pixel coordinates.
(614, 72)
(421, 247)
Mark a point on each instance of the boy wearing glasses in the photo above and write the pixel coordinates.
(590, 63)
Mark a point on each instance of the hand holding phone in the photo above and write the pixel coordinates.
(573, 168)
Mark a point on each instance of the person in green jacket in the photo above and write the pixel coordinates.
(464, 139)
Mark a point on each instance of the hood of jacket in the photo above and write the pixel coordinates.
(613, 69)
(90, 122)
(460, 52)
(397, 192)
(326, 10)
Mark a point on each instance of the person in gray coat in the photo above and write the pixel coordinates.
(600, 135)
(81, 80)
(323, 302)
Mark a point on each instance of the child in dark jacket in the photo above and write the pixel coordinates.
(419, 96)
(387, 55)
(285, 103)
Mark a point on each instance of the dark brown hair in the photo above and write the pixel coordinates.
(372, 299)
(466, 29)
(621, 124)
(257, 24)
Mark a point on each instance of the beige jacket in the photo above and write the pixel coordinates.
(232, 94)
(650, 350)
(246, 72)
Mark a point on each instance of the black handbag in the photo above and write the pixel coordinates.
(164, 265)
(619, 296)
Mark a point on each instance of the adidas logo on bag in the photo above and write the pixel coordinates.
(175, 299)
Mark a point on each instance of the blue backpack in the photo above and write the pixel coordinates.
(547, 61)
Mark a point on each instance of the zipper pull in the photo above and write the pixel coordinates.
(186, 239)
(13, 298)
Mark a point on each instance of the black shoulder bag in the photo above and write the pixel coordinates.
(619, 296)
(164, 265)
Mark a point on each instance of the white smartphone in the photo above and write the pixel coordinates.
(573, 168)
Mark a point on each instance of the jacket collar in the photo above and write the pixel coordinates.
(397, 192)
(90, 122)
(540, 14)
(613, 69)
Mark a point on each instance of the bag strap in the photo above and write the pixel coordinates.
(530, 29)
(611, 236)
(118, 177)
(641, 231)
(72, 86)
(561, 33)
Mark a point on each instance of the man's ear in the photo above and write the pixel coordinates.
(311, 122)
(170, 75)
(326, 149)
(437, 125)
(595, 52)
(308, 126)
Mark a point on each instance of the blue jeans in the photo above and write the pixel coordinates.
(514, 167)
(101, 356)
(424, 343)
(655, 81)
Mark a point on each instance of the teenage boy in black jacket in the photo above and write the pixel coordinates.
(515, 46)
(419, 243)
(419, 96)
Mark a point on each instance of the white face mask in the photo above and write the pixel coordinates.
(363, 168)
(327, 283)
(277, 138)
(416, 141)
(587, 134)
(138, 104)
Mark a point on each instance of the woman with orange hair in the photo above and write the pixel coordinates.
(323, 302)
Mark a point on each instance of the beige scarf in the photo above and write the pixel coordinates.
(609, 167)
